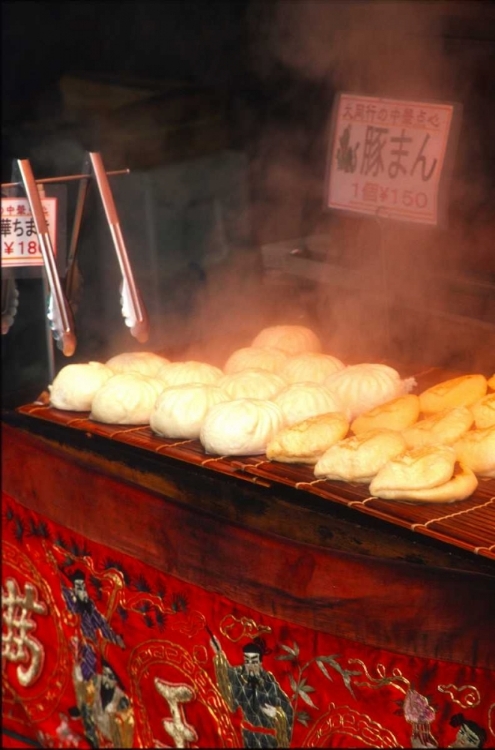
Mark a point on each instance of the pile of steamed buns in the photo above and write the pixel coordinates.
(284, 398)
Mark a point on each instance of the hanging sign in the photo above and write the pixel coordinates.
(20, 246)
(390, 158)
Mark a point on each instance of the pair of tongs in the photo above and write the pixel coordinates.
(132, 305)
(59, 313)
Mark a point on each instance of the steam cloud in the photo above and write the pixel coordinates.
(430, 295)
(436, 285)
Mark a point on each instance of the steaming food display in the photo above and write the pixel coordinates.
(248, 442)
(283, 397)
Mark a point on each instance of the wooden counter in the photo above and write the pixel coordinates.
(319, 564)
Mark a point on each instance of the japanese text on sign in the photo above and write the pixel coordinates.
(387, 157)
(20, 245)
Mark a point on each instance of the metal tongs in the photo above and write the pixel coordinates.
(133, 308)
(59, 313)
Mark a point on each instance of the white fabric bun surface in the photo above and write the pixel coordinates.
(145, 363)
(311, 367)
(255, 357)
(242, 427)
(364, 386)
(462, 391)
(74, 386)
(444, 427)
(190, 371)
(304, 400)
(304, 442)
(484, 411)
(127, 398)
(253, 383)
(397, 414)
(359, 457)
(180, 410)
(462, 484)
(476, 449)
(416, 469)
(292, 339)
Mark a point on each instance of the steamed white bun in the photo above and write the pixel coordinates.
(311, 367)
(74, 387)
(126, 398)
(300, 401)
(191, 371)
(254, 383)
(364, 386)
(291, 339)
(145, 363)
(250, 357)
(180, 410)
(241, 427)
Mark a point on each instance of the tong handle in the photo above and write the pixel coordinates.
(59, 313)
(133, 308)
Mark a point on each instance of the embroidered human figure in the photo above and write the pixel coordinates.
(266, 710)
(93, 624)
(470, 734)
(104, 708)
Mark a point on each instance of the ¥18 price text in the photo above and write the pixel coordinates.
(20, 248)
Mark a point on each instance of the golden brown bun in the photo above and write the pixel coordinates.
(484, 411)
(445, 428)
(360, 457)
(416, 469)
(397, 414)
(304, 442)
(476, 449)
(462, 484)
(491, 382)
(462, 391)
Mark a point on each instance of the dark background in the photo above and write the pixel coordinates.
(242, 56)
(154, 84)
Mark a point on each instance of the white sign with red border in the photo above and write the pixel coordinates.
(387, 156)
(20, 246)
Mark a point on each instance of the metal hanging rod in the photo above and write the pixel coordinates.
(47, 180)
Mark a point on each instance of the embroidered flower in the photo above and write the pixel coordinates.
(417, 708)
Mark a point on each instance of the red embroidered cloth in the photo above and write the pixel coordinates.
(100, 650)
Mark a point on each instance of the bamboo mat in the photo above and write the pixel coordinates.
(468, 524)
